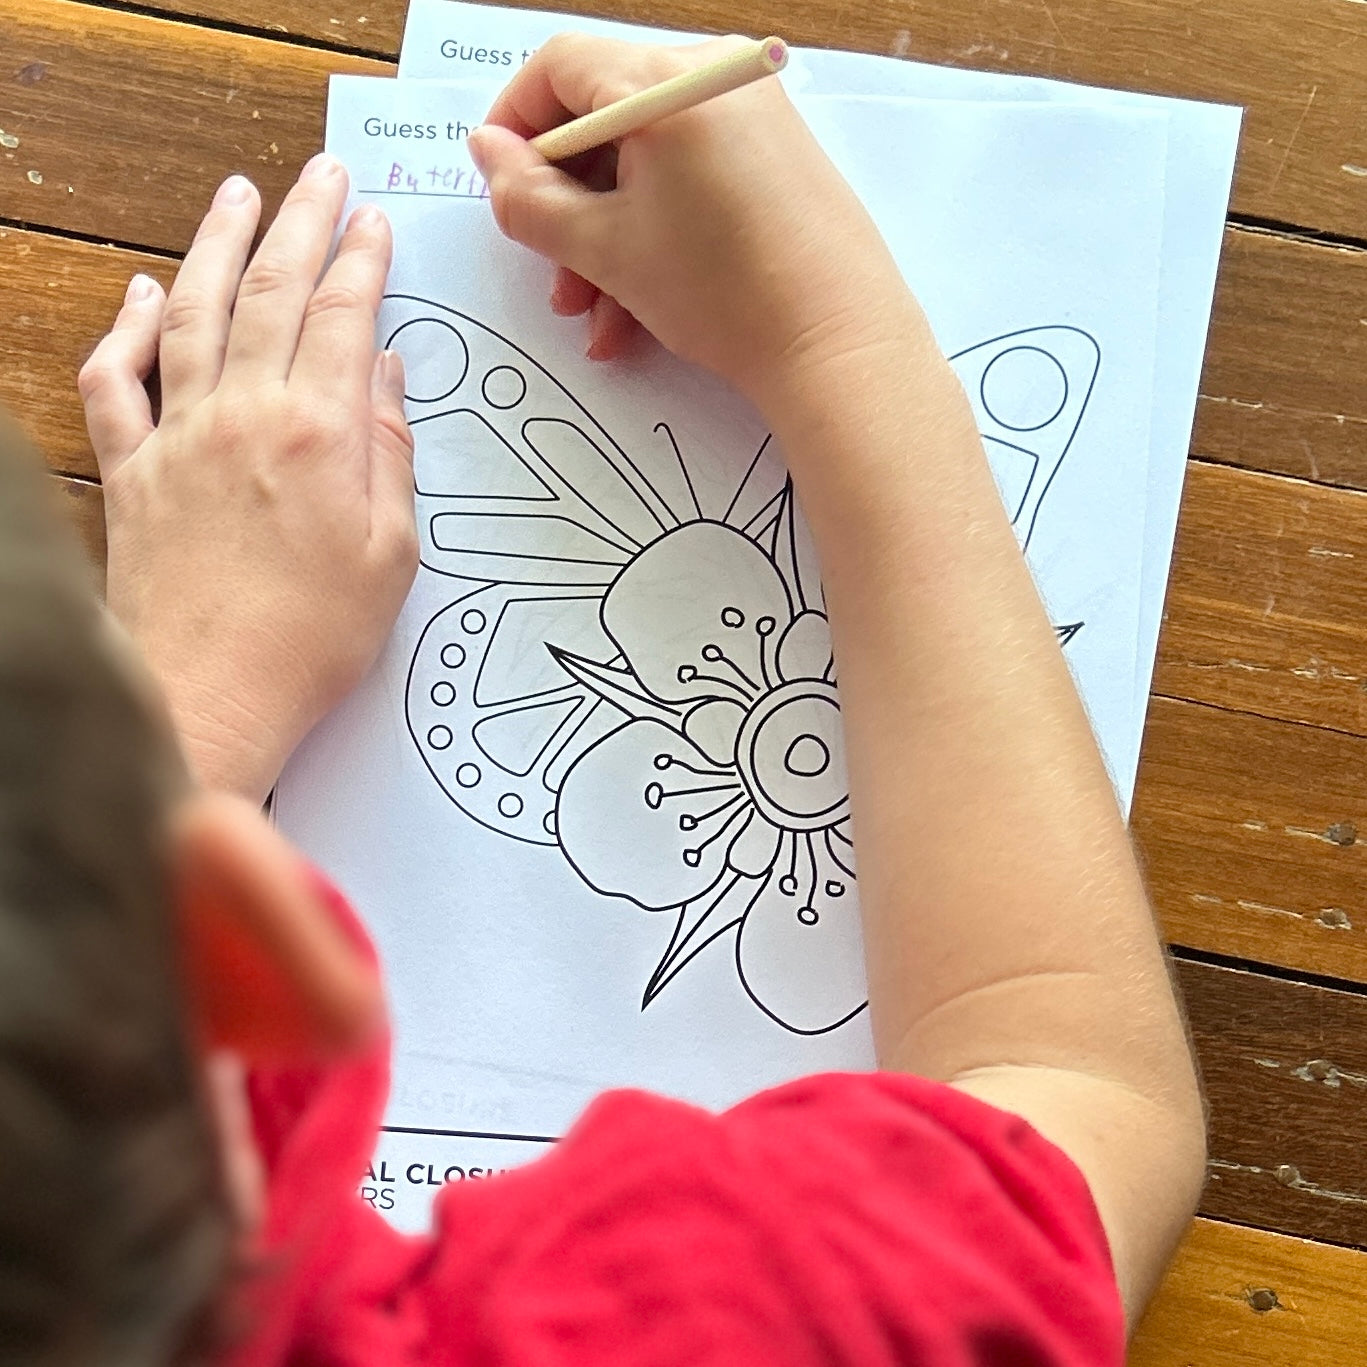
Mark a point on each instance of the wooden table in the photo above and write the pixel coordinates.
(118, 123)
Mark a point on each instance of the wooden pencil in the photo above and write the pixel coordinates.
(657, 102)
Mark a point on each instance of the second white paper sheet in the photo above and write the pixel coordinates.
(591, 801)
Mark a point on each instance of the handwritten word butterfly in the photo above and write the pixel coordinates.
(637, 669)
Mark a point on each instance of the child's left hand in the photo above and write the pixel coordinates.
(261, 533)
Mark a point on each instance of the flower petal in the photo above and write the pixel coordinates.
(713, 727)
(693, 611)
(753, 851)
(800, 951)
(805, 649)
(643, 814)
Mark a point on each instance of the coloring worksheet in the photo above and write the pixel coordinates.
(592, 800)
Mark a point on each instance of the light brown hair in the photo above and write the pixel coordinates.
(113, 1230)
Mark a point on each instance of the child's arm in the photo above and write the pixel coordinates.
(1010, 945)
(261, 533)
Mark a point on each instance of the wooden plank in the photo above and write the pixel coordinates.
(358, 25)
(1285, 382)
(127, 123)
(1265, 605)
(1284, 1066)
(103, 88)
(1238, 1297)
(1248, 829)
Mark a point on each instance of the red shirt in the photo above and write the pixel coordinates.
(865, 1219)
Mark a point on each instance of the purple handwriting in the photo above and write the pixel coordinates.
(458, 181)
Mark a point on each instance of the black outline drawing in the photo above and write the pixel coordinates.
(734, 795)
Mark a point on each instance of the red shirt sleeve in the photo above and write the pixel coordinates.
(850, 1218)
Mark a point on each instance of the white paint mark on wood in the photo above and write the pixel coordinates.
(1285, 1173)
(1267, 909)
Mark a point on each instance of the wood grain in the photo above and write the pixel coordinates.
(1284, 1066)
(1265, 606)
(1295, 64)
(1285, 382)
(129, 122)
(1238, 1297)
(1248, 830)
(357, 25)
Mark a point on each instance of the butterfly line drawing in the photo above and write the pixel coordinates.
(638, 670)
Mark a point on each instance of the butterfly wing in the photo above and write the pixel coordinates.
(497, 720)
(516, 483)
(1029, 390)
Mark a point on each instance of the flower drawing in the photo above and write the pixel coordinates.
(724, 793)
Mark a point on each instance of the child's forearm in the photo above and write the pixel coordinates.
(1010, 945)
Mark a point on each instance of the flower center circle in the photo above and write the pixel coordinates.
(788, 754)
(807, 756)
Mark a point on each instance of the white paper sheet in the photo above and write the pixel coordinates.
(441, 35)
(529, 883)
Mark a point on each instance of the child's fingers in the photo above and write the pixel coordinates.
(278, 284)
(337, 345)
(571, 294)
(573, 73)
(391, 457)
(200, 306)
(535, 203)
(612, 330)
(118, 414)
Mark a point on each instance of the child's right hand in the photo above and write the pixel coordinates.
(728, 233)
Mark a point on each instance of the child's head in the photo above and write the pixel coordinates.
(112, 1229)
(125, 897)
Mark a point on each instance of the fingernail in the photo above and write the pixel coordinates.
(365, 216)
(475, 143)
(389, 364)
(234, 191)
(320, 166)
(140, 289)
